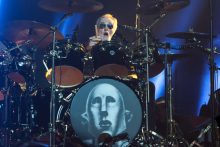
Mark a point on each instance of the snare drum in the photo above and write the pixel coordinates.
(68, 64)
(102, 105)
(109, 59)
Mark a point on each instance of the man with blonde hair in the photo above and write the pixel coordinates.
(105, 28)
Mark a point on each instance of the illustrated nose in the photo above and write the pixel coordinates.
(104, 109)
(104, 113)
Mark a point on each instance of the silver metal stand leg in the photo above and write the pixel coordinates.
(174, 136)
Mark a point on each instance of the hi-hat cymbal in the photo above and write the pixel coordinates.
(189, 35)
(163, 6)
(20, 31)
(68, 6)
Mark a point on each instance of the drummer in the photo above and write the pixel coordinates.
(105, 28)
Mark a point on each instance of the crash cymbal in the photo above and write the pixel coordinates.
(189, 35)
(69, 6)
(20, 31)
(163, 6)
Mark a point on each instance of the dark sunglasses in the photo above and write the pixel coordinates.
(102, 26)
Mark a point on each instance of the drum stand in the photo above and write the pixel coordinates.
(172, 139)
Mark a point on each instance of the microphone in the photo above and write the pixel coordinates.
(204, 131)
(122, 136)
(105, 139)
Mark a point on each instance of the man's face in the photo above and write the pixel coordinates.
(106, 29)
(105, 110)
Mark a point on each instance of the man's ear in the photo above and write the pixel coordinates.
(84, 118)
(128, 115)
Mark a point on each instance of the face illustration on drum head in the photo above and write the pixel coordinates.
(105, 105)
(105, 110)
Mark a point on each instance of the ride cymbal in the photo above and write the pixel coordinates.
(189, 35)
(163, 6)
(20, 31)
(69, 6)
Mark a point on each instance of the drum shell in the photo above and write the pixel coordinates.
(110, 53)
(69, 64)
(70, 54)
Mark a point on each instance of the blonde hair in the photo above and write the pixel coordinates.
(110, 16)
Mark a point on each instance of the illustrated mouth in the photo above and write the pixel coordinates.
(105, 124)
(106, 34)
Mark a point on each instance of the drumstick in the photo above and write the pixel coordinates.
(96, 31)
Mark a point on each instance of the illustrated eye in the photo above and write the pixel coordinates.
(110, 99)
(96, 101)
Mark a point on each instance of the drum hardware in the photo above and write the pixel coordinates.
(212, 64)
(5, 56)
(52, 128)
(174, 135)
(146, 62)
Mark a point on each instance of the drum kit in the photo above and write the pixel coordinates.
(111, 63)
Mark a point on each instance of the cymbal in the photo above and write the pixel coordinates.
(20, 31)
(163, 7)
(171, 57)
(189, 35)
(2, 97)
(68, 6)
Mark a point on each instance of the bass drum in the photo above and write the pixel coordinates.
(103, 105)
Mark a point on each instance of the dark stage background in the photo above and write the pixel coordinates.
(191, 75)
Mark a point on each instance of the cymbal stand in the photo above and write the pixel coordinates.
(52, 128)
(215, 140)
(172, 139)
(146, 32)
(53, 53)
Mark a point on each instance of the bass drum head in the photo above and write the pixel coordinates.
(105, 105)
